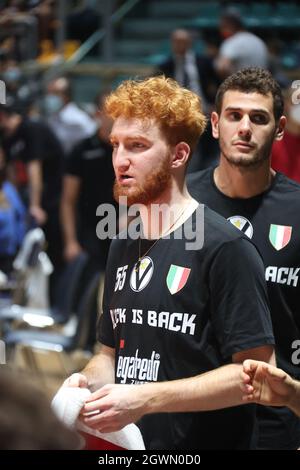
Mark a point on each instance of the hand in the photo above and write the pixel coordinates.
(114, 407)
(76, 380)
(72, 250)
(39, 215)
(265, 384)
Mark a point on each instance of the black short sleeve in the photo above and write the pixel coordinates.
(74, 163)
(240, 306)
(105, 333)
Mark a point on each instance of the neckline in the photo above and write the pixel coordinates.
(175, 227)
(252, 198)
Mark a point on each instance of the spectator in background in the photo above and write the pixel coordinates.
(189, 69)
(69, 123)
(16, 83)
(12, 219)
(88, 182)
(240, 48)
(195, 72)
(35, 159)
(286, 152)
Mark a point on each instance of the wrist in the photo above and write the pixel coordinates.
(153, 396)
(71, 242)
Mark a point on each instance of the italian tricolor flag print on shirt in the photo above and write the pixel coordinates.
(177, 278)
(279, 236)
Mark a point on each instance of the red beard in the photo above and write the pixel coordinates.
(154, 185)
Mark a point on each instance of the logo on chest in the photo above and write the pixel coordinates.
(280, 236)
(141, 274)
(177, 278)
(243, 224)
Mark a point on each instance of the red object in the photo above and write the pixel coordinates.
(286, 156)
(20, 173)
(96, 443)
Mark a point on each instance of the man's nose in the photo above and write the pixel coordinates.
(120, 159)
(245, 127)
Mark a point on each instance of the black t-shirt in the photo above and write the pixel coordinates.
(91, 161)
(272, 221)
(183, 313)
(34, 140)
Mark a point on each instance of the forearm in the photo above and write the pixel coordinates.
(35, 183)
(68, 221)
(216, 389)
(100, 370)
(69, 200)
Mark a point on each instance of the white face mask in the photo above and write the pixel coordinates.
(295, 113)
(52, 104)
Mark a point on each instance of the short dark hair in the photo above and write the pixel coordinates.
(232, 17)
(252, 80)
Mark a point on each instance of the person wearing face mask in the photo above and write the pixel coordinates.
(13, 77)
(69, 123)
(11, 74)
(88, 182)
(286, 152)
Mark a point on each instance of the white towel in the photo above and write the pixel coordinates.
(68, 402)
(67, 405)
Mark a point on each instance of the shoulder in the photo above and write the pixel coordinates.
(84, 144)
(285, 194)
(33, 124)
(199, 181)
(219, 228)
(286, 185)
(222, 237)
(39, 129)
(196, 176)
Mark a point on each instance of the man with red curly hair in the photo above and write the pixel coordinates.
(177, 322)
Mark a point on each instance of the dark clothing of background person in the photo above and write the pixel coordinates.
(34, 140)
(91, 162)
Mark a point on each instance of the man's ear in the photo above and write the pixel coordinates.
(215, 124)
(280, 128)
(181, 155)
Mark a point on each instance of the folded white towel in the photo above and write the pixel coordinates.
(68, 402)
(67, 405)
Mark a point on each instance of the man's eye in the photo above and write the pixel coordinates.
(138, 145)
(259, 119)
(114, 145)
(234, 116)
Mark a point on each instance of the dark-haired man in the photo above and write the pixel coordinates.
(265, 206)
